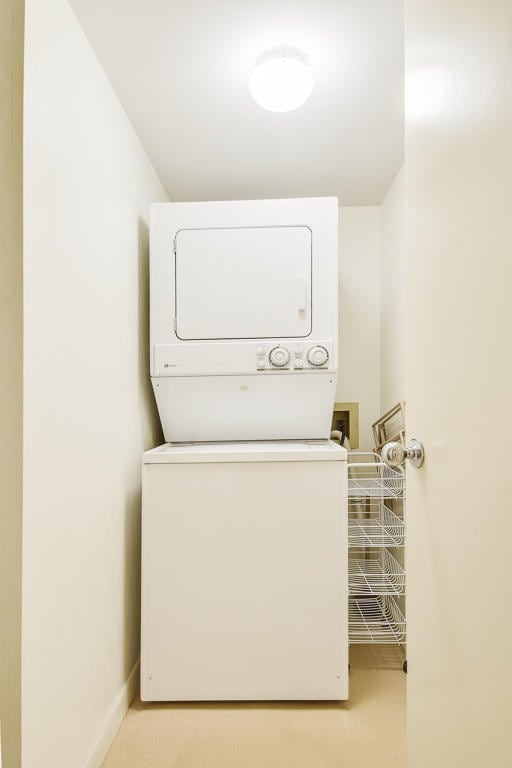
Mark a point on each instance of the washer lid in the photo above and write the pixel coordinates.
(276, 450)
(243, 283)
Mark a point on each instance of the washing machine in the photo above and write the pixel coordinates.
(244, 572)
(244, 539)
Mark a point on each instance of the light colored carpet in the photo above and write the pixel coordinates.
(366, 732)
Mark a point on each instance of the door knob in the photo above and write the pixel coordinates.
(394, 454)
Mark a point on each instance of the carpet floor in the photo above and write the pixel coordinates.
(366, 732)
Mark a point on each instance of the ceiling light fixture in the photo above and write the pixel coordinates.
(281, 82)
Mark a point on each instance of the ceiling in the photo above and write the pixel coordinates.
(180, 69)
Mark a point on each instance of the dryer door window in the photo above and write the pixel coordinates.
(243, 283)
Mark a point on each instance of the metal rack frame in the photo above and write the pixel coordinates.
(376, 524)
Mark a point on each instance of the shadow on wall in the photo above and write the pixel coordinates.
(151, 428)
(151, 435)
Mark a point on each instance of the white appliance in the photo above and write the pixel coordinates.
(244, 319)
(244, 572)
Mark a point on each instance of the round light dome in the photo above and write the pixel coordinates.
(281, 83)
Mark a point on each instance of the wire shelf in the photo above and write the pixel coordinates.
(372, 524)
(378, 574)
(376, 620)
(369, 477)
(376, 522)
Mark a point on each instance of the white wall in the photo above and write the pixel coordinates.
(392, 327)
(88, 408)
(359, 315)
(11, 375)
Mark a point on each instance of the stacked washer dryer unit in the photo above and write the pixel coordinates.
(244, 585)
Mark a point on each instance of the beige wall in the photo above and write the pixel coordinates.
(359, 315)
(11, 373)
(88, 408)
(392, 320)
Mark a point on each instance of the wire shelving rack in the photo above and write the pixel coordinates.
(376, 525)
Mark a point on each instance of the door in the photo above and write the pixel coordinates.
(458, 170)
(243, 283)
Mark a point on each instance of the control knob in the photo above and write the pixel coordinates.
(279, 357)
(318, 355)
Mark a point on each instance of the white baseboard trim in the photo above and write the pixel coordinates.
(112, 721)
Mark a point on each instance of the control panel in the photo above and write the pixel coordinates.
(228, 358)
(292, 356)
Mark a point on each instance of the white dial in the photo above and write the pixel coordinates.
(318, 355)
(279, 356)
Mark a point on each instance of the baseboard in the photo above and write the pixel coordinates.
(112, 721)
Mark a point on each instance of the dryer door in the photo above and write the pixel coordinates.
(243, 283)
